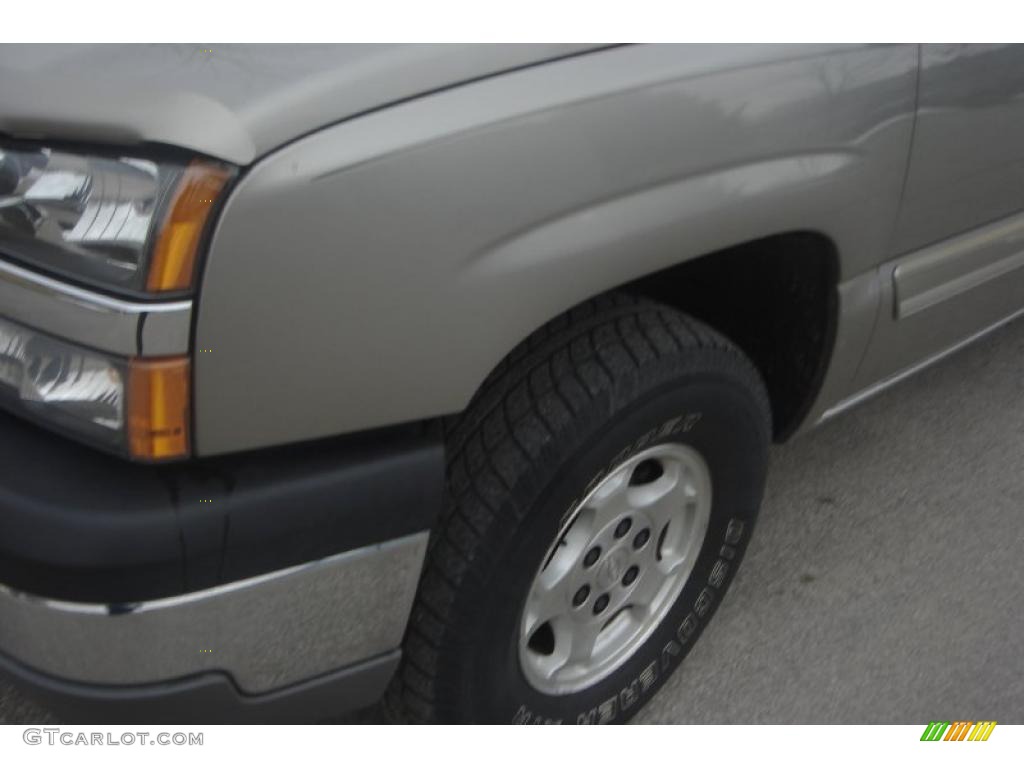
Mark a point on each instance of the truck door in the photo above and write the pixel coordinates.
(958, 246)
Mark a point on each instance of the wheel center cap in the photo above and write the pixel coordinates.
(612, 568)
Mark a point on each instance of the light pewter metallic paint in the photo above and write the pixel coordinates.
(425, 240)
(375, 271)
(967, 160)
(235, 102)
(954, 266)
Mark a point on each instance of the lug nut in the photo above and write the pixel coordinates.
(591, 557)
(641, 538)
(581, 596)
(630, 575)
(623, 528)
(600, 604)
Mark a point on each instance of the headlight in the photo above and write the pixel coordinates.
(135, 407)
(121, 222)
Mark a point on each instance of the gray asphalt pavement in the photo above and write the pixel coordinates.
(885, 580)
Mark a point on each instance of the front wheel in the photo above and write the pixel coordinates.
(602, 487)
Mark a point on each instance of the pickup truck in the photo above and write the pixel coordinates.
(446, 375)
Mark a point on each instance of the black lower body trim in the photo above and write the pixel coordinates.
(208, 698)
(82, 526)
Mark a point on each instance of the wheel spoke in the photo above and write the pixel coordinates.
(610, 499)
(662, 498)
(574, 646)
(548, 665)
(547, 600)
(584, 637)
(651, 580)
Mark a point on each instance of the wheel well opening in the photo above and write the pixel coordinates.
(776, 299)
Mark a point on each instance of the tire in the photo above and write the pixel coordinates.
(587, 393)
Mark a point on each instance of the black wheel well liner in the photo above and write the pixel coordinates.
(776, 298)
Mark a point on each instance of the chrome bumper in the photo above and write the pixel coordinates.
(266, 632)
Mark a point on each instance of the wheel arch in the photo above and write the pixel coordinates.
(774, 296)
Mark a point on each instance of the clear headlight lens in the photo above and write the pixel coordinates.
(135, 407)
(99, 219)
(77, 389)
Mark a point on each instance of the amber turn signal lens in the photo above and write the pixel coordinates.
(158, 408)
(174, 255)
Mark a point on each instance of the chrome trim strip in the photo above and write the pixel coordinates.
(880, 386)
(93, 319)
(266, 632)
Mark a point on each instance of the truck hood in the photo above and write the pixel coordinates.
(234, 102)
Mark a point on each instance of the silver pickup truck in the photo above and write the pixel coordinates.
(447, 374)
